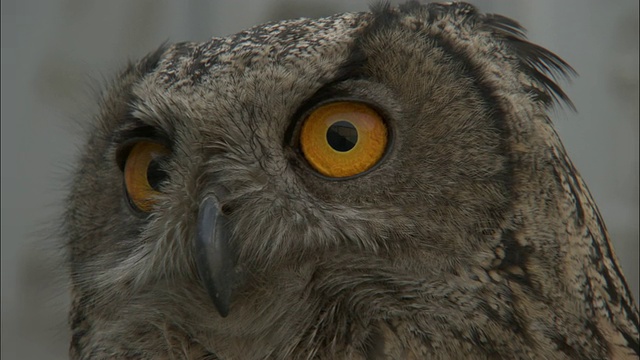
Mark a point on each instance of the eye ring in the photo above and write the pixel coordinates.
(343, 139)
(143, 173)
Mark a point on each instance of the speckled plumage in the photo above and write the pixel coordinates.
(475, 237)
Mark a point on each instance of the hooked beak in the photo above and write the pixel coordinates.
(214, 257)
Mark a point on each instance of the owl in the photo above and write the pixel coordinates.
(376, 185)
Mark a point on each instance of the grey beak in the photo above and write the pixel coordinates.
(214, 257)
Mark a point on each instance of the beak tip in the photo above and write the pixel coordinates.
(221, 300)
(222, 310)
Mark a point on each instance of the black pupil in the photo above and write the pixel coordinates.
(155, 175)
(342, 136)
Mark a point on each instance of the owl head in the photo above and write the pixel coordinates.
(364, 185)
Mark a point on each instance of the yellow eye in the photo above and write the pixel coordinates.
(142, 173)
(343, 139)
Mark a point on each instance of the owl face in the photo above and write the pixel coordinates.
(305, 176)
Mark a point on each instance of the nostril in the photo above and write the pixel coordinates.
(226, 209)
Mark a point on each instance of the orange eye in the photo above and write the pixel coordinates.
(343, 139)
(142, 173)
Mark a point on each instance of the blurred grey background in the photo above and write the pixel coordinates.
(56, 53)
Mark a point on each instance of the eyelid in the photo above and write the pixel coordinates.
(132, 131)
(361, 89)
(124, 148)
(294, 137)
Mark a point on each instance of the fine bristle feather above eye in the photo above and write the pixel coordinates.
(542, 65)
